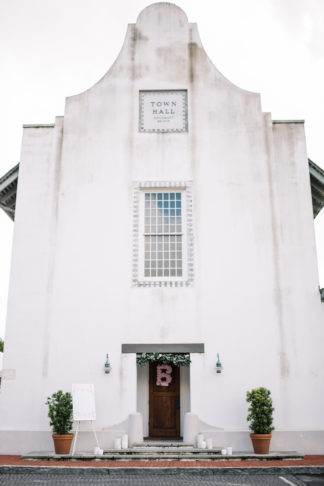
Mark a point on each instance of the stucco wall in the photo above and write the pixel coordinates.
(255, 294)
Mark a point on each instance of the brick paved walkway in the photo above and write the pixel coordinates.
(310, 460)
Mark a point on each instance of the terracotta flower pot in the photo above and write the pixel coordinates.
(261, 443)
(62, 443)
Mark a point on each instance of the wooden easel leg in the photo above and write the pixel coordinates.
(94, 433)
(75, 438)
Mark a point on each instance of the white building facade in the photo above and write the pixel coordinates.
(164, 213)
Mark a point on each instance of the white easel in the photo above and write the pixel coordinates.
(84, 408)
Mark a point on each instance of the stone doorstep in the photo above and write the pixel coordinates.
(162, 443)
(162, 450)
(130, 455)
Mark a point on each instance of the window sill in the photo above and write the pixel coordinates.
(163, 283)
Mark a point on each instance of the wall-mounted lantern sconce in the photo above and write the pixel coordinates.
(219, 366)
(107, 365)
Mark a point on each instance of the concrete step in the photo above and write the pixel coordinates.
(195, 455)
(162, 451)
(162, 444)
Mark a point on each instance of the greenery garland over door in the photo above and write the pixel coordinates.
(178, 359)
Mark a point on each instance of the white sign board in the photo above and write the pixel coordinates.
(83, 402)
(163, 111)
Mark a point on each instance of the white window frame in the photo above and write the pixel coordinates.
(138, 277)
(143, 234)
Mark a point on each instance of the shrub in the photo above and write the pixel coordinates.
(260, 410)
(60, 410)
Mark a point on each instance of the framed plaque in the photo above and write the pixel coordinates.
(163, 111)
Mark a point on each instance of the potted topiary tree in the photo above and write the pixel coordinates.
(60, 410)
(260, 418)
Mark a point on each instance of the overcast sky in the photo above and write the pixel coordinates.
(50, 49)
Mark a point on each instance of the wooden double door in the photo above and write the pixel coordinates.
(164, 401)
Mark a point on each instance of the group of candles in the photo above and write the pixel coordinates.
(98, 451)
(121, 443)
(208, 444)
(228, 451)
(204, 444)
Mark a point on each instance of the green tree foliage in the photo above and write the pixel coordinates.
(260, 411)
(60, 410)
(1, 345)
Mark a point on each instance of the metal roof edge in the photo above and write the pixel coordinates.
(275, 122)
(39, 125)
(9, 176)
(316, 169)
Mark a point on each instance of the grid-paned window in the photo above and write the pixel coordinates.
(163, 234)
